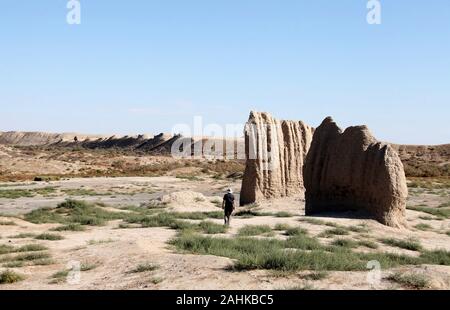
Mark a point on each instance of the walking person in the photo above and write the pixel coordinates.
(228, 206)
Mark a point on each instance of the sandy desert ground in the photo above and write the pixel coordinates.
(129, 251)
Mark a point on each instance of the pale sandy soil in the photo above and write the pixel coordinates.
(116, 252)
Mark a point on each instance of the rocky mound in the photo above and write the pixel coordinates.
(275, 152)
(351, 170)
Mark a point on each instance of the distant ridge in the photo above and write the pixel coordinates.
(160, 144)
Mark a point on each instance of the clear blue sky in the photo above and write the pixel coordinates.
(142, 66)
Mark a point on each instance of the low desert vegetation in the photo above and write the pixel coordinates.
(313, 221)
(443, 213)
(50, 237)
(316, 276)
(299, 252)
(283, 214)
(368, 244)
(338, 231)
(23, 236)
(156, 280)
(408, 244)
(70, 227)
(295, 231)
(254, 230)
(8, 277)
(423, 226)
(144, 268)
(415, 281)
(24, 193)
(345, 243)
(282, 226)
(7, 249)
(359, 228)
(7, 223)
(210, 228)
(100, 241)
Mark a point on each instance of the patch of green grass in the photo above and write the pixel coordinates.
(416, 281)
(294, 231)
(217, 202)
(50, 237)
(6, 249)
(288, 255)
(14, 264)
(368, 244)
(439, 212)
(23, 236)
(7, 223)
(74, 212)
(15, 193)
(338, 231)
(423, 226)
(59, 277)
(282, 226)
(70, 227)
(426, 218)
(25, 193)
(246, 213)
(31, 248)
(312, 220)
(344, 243)
(156, 280)
(43, 262)
(8, 277)
(409, 244)
(100, 241)
(302, 242)
(283, 214)
(316, 276)
(444, 205)
(436, 257)
(26, 257)
(359, 228)
(254, 230)
(306, 287)
(448, 233)
(44, 215)
(214, 214)
(212, 228)
(144, 268)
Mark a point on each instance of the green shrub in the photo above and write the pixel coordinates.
(345, 243)
(368, 244)
(254, 230)
(8, 277)
(416, 281)
(47, 236)
(409, 244)
(70, 227)
(144, 268)
(423, 226)
(212, 228)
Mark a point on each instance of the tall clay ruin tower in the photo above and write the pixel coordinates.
(275, 152)
(338, 171)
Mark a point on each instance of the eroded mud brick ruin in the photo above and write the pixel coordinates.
(351, 170)
(335, 170)
(275, 152)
